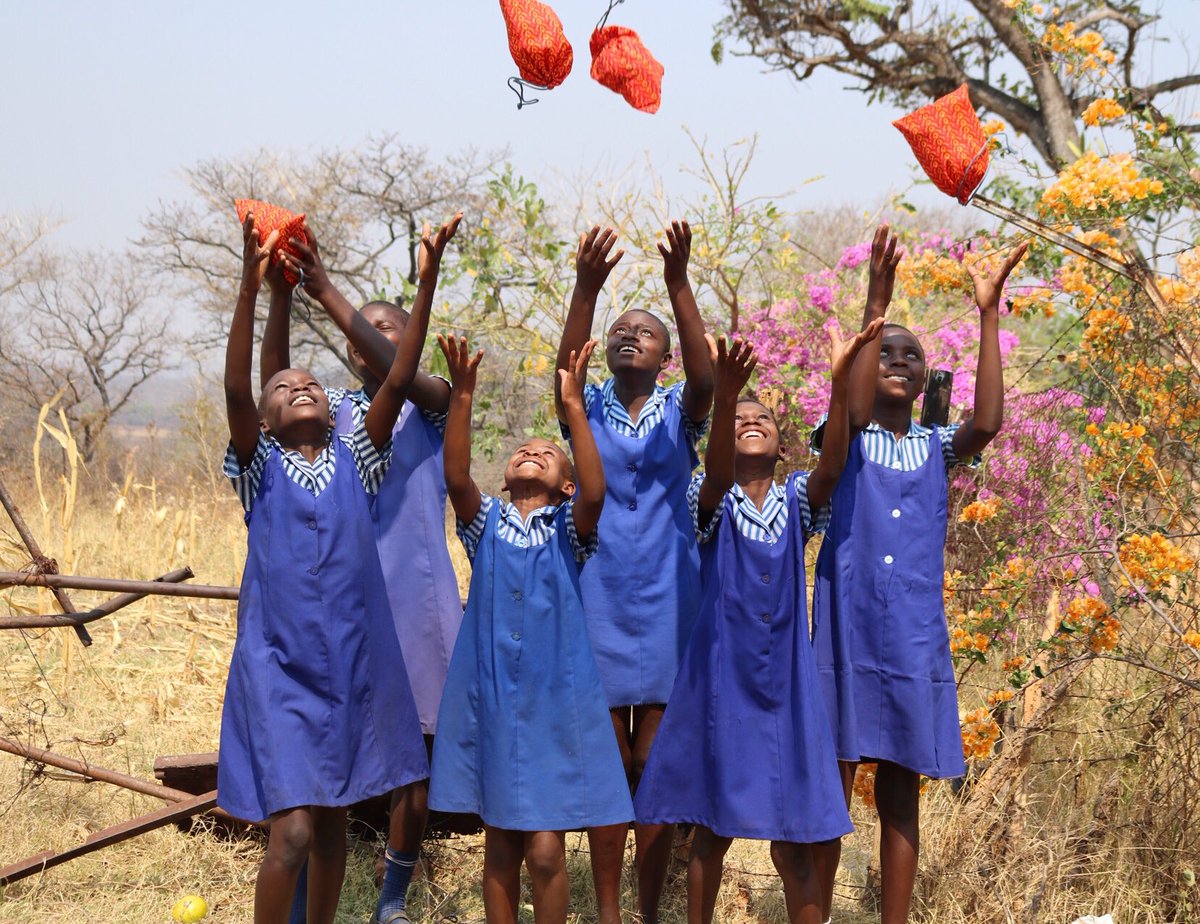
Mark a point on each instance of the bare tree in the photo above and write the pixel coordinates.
(89, 332)
(909, 50)
(365, 204)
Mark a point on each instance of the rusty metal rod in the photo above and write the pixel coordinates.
(79, 582)
(14, 514)
(51, 620)
(92, 772)
(103, 775)
(114, 834)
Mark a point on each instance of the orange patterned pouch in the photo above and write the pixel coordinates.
(623, 64)
(268, 218)
(949, 142)
(538, 45)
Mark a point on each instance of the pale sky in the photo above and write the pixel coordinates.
(105, 101)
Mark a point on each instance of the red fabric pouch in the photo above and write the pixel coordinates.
(949, 143)
(623, 64)
(268, 218)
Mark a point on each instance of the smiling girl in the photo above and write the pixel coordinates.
(318, 711)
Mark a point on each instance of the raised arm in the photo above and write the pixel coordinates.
(731, 368)
(456, 450)
(836, 439)
(393, 391)
(592, 267)
(988, 415)
(239, 349)
(864, 375)
(589, 470)
(377, 352)
(693, 351)
(275, 352)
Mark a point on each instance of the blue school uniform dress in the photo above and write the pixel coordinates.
(879, 626)
(317, 709)
(410, 533)
(641, 590)
(744, 747)
(524, 739)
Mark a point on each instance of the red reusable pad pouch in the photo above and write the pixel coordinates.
(623, 64)
(268, 218)
(538, 45)
(949, 143)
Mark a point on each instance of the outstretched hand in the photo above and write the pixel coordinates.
(574, 377)
(256, 254)
(462, 365)
(304, 261)
(429, 257)
(842, 352)
(990, 286)
(592, 264)
(732, 365)
(676, 256)
(885, 257)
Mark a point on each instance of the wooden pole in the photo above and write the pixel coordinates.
(60, 595)
(79, 582)
(52, 620)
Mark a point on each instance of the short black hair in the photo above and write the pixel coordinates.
(396, 306)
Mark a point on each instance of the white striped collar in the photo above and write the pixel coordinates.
(618, 416)
(766, 524)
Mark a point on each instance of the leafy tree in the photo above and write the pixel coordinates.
(1034, 71)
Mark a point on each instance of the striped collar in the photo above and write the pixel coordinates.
(618, 417)
(763, 525)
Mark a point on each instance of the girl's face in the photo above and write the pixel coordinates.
(901, 365)
(386, 319)
(755, 432)
(293, 398)
(637, 342)
(540, 462)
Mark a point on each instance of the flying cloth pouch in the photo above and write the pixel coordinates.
(268, 218)
(623, 64)
(949, 143)
(538, 45)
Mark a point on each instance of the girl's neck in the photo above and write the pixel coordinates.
(528, 498)
(633, 391)
(896, 418)
(756, 477)
(308, 445)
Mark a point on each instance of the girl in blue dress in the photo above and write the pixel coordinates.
(409, 514)
(641, 590)
(318, 712)
(745, 749)
(522, 738)
(879, 628)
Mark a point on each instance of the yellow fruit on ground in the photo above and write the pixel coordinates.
(189, 909)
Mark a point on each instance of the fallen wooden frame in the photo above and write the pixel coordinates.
(81, 582)
(182, 805)
(54, 620)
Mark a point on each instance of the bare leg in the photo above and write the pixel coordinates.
(326, 864)
(653, 842)
(607, 844)
(897, 796)
(410, 814)
(705, 863)
(828, 854)
(801, 887)
(503, 851)
(288, 844)
(546, 860)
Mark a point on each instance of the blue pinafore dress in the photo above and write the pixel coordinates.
(524, 738)
(641, 590)
(879, 623)
(317, 708)
(744, 747)
(410, 532)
